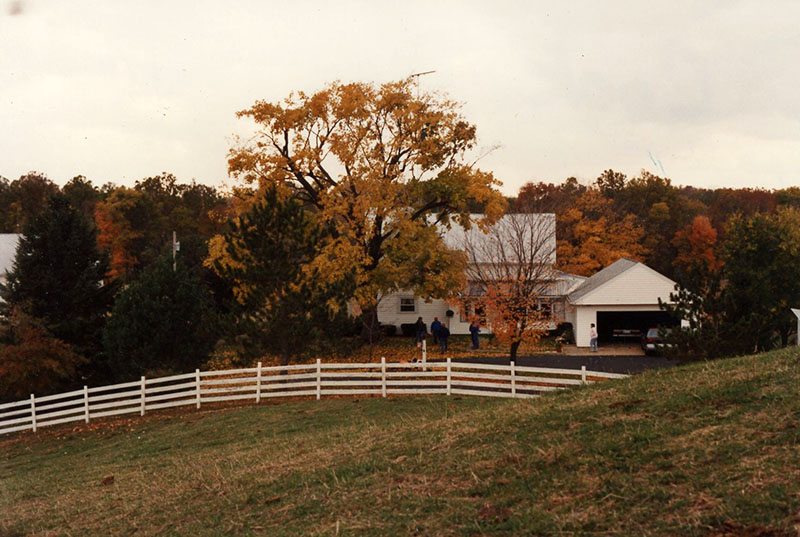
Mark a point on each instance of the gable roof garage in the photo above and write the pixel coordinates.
(621, 300)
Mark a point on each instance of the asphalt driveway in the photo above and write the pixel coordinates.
(609, 364)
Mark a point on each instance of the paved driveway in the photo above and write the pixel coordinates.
(609, 364)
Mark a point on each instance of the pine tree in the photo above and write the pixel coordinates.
(57, 278)
(283, 307)
(162, 322)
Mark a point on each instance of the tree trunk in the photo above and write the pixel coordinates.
(370, 331)
(286, 357)
(514, 347)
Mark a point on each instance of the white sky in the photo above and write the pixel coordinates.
(121, 90)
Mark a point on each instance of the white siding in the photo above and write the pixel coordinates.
(637, 286)
(389, 313)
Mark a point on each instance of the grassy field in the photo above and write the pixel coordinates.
(711, 449)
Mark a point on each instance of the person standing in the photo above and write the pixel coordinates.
(444, 333)
(474, 330)
(435, 327)
(419, 332)
(592, 338)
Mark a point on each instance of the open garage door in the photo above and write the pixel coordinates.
(627, 326)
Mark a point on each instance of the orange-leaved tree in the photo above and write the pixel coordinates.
(512, 277)
(697, 243)
(124, 221)
(593, 235)
(382, 166)
(32, 359)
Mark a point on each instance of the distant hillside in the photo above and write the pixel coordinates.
(712, 449)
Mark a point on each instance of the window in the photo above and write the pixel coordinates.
(469, 312)
(408, 304)
(547, 308)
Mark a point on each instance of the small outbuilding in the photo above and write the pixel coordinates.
(622, 300)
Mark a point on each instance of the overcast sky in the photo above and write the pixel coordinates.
(120, 90)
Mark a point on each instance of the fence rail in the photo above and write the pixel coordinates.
(304, 380)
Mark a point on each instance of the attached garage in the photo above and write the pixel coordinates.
(619, 326)
(621, 300)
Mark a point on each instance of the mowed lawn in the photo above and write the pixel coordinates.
(711, 449)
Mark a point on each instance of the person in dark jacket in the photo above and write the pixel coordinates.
(474, 330)
(420, 332)
(444, 333)
(436, 325)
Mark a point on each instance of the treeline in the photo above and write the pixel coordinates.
(247, 280)
(735, 253)
(96, 294)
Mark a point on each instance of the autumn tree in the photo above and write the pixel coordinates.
(126, 221)
(23, 200)
(82, 195)
(592, 235)
(136, 224)
(538, 197)
(382, 167)
(699, 298)
(661, 212)
(511, 275)
(32, 359)
(744, 201)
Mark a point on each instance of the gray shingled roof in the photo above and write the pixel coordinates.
(607, 274)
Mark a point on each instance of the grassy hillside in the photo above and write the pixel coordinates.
(711, 449)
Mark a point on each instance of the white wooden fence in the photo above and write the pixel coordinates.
(305, 380)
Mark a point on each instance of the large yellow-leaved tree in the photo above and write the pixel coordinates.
(384, 167)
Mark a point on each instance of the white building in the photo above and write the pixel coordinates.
(622, 301)
(404, 308)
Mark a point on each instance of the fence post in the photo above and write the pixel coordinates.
(449, 389)
(383, 375)
(86, 403)
(197, 384)
(424, 354)
(144, 383)
(319, 379)
(513, 379)
(33, 412)
(258, 384)
(583, 374)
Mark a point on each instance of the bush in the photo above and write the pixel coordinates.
(565, 332)
(389, 330)
(408, 329)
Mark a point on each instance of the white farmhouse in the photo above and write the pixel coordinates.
(622, 300)
(404, 308)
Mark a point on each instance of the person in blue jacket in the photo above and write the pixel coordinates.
(444, 333)
(436, 325)
(474, 330)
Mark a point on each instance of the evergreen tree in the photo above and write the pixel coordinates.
(282, 308)
(162, 322)
(57, 278)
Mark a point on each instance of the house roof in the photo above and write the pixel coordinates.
(600, 278)
(8, 250)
